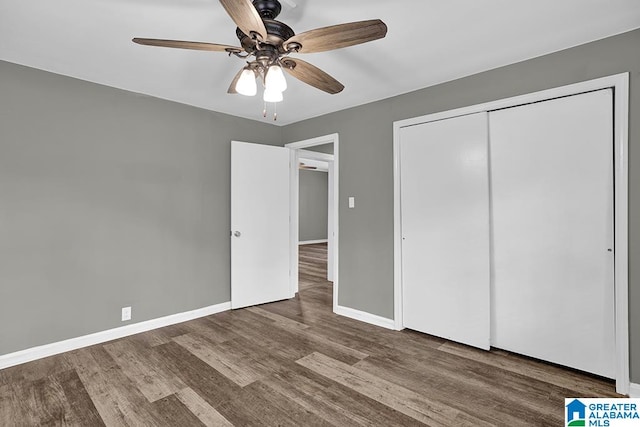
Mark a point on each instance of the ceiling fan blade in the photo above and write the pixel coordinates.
(246, 17)
(338, 36)
(213, 47)
(312, 75)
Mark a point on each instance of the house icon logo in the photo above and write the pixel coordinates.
(576, 413)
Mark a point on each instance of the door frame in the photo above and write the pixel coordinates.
(620, 85)
(334, 183)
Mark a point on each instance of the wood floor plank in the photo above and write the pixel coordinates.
(207, 382)
(288, 411)
(395, 396)
(379, 344)
(116, 397)
(307, 340)
(207, 329)
(15, 406)
(136, 363)
(233, 362)
(39, 402)
(38, 369)
(258, 405)
(281, 321)
(335, 403)
(83, 410)
(509, 406)
(455, 377)
(172, 412)
(50, 402)
(206, 413)
(282, 342)
(151, 338)
(582, 385)
(312, 398)
(8, 410)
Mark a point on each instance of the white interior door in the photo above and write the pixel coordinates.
(259, 224)
(552, 203)
(445, 229)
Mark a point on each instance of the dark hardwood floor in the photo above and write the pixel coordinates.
(290, 363)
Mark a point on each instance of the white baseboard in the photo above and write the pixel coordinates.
(34, 353)
(313, 242)
(634, 390)
(363, 316)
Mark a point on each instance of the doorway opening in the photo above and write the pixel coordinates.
(321, 154)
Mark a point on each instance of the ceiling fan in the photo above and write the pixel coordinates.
(267, 44)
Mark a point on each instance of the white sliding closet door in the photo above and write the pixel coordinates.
(445, 229)
(552, 205)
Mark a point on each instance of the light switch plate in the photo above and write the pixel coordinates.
(352, 202)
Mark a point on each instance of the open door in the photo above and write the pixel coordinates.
(259, 224)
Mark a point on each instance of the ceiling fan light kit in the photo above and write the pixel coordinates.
(246, 85)
(275, 79)
(272, 95)
(266, 45)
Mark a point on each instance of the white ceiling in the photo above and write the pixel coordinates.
(428, 42)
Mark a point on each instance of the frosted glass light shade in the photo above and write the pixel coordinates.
(275, 79)
(271, 95)
(246, 84)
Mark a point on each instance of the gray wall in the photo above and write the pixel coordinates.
(313, 206)
(366, 166)
(108, 199)
(324, 148)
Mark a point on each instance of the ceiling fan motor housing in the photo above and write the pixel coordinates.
(277, 33)
(267, 55)
(268, 9)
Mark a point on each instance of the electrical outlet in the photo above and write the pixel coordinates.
(126, 313)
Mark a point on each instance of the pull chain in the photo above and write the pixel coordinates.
(275, 111)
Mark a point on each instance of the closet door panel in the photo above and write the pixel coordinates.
(445, 229)
(552, 210)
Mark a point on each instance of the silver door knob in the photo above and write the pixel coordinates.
(237, 233)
